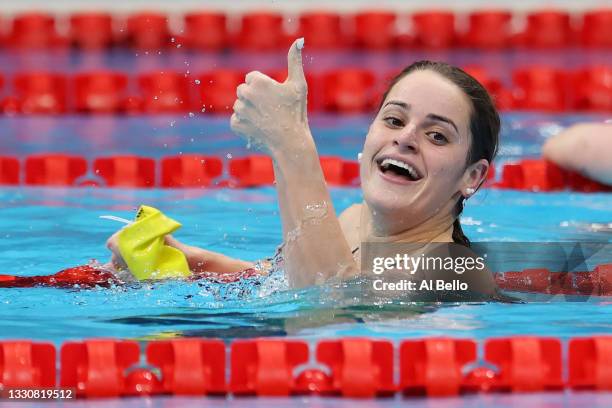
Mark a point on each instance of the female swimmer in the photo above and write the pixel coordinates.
(428, 149)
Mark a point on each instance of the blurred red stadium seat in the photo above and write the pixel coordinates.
(206, 31)
(375, 30)
(165, 92)
(218, 90)
(547, 29)
(100, 92)
(91, 31)
(33, 31)
(262, 31)
(348, 90)
(434, 29)
(597, 28)
(148, 31)
(593, 89)
(40, 92)
(540, 88)
(489, 29)
(322, 30)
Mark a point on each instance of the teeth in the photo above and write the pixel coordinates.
(385, 164)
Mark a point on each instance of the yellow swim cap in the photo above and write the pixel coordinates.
(142, 246)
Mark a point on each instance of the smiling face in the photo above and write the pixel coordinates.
(413, 164)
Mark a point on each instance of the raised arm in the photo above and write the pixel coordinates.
(273, 116)
(585, 148)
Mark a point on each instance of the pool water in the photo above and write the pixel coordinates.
(43, 230)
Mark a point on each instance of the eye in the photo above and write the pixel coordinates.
(393, 121)
(437, 138)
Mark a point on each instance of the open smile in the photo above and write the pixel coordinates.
(398, 171)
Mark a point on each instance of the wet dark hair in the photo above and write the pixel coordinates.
(484, 121)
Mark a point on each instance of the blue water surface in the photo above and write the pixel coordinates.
(43, 230)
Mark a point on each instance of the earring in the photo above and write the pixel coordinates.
(469, 191)
(359, 156)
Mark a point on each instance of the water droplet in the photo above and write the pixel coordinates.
(191, 114)
(229, 156)
(172, 124)
(197, 81)
(204, 109)
(179, 45)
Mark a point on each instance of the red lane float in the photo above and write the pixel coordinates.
(488, 29)
(253, 171)
(265, 367)
(165, 92)
(526, 364)
(9, 171)
(375, 30)
(54, 169)
(38, 93)
(434, 29)
(540, 280)
(96, 368)
(593, 89)
(349, 90)
(100, 92)
(206, 31)
(502, 97)
(323, 30)
(547, 29)
(25, 364)
(189, 366)
(543, 175)
(590, 363)
(148, 31)
(33, 31)
(261, 31)
(218, 89)
(91, 31)
(433, 367)
(126, 171)
(597, 29)
(541, 88)
(360, 368)
(190, 170)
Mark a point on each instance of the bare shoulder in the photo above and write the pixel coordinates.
(349, 222)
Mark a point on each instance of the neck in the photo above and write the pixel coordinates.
(381, 227)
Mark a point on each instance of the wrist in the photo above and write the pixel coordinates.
(294, 142)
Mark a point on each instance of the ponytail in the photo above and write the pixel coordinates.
(458, 235)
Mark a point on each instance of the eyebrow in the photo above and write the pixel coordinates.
(431, 116)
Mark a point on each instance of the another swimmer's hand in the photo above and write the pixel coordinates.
(270, 114)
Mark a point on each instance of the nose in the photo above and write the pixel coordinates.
(407, 139)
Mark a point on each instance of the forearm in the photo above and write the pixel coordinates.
(202, 260)
(315, 247)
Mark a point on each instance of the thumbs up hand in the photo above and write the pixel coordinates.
(272, 115)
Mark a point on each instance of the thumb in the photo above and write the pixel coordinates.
(295, 71)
